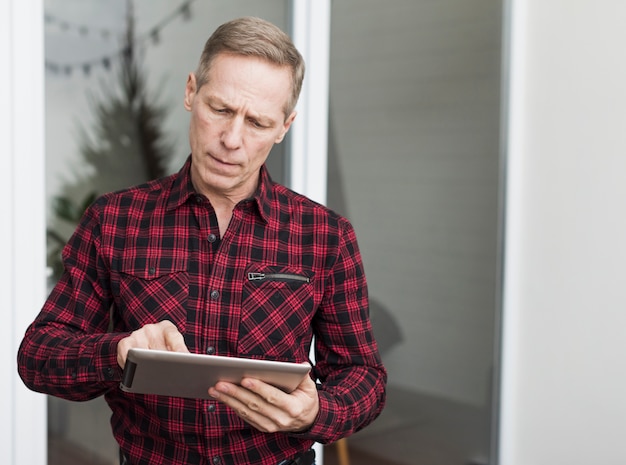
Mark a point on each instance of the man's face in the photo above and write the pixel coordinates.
(236, 118)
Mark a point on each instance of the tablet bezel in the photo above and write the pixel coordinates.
(179, 374)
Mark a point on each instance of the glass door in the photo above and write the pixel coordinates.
(414, 164)
(86, 46)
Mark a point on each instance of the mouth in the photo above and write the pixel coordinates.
(221, 164)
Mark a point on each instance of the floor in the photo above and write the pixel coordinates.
(418, 429)
(62, 452)
(356, 457)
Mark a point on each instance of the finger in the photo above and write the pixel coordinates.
(137, 338)
(248, 406)
(267, 408)
(290, 412)
(270, 394)
(173, 339)
(163, 335)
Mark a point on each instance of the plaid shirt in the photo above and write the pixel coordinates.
(152, 253)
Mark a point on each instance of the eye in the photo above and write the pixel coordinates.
(219, 110)
(256, 123)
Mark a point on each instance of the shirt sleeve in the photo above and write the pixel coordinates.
(67, 351)
(353, 379)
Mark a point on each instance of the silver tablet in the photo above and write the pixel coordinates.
(179, 374)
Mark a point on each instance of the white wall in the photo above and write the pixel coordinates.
(564, 359)
(22, 240)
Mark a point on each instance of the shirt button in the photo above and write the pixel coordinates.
(151, 270)
(217, 460)
(212, 238)
(210, 350)
(198, 199)
(211, 408)
(109, 373)
(215, 295)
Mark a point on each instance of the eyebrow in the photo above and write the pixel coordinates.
(262, 119)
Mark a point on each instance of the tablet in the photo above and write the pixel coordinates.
(188, 375)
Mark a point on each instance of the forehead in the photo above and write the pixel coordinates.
(250, 82)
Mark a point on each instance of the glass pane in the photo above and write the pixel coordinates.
(413, 163)
(90, 149)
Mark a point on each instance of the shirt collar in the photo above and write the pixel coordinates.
(264, 196)
(182, 189)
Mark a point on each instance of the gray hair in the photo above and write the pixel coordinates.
(254, 37)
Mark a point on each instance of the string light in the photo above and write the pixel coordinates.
(80, 29)
(153, 36)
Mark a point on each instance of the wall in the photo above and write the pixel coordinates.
(564, 356)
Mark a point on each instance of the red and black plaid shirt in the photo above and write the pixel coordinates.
(153, 253)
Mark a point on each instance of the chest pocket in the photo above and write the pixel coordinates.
(152, 290)
(278, 304)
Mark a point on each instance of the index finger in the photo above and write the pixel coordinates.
(173, 339)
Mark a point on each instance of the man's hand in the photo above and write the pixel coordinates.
(269, 409)
(162, 336)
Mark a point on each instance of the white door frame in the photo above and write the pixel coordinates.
(23, 431)
(308, 142)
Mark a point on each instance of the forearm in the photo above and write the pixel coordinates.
(63, 363)
(349, 401)
(67, 351)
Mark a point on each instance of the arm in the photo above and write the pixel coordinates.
(348, 364)
(67, 351)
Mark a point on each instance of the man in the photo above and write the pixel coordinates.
(165, 266)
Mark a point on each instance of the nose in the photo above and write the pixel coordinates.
(232, 134)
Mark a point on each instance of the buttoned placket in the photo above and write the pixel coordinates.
(207, 247)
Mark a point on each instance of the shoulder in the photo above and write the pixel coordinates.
(309, 214)
(136, 195)
(290, 200)
(132, 203)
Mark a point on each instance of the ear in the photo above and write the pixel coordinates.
(190, 91)
(285, 128)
